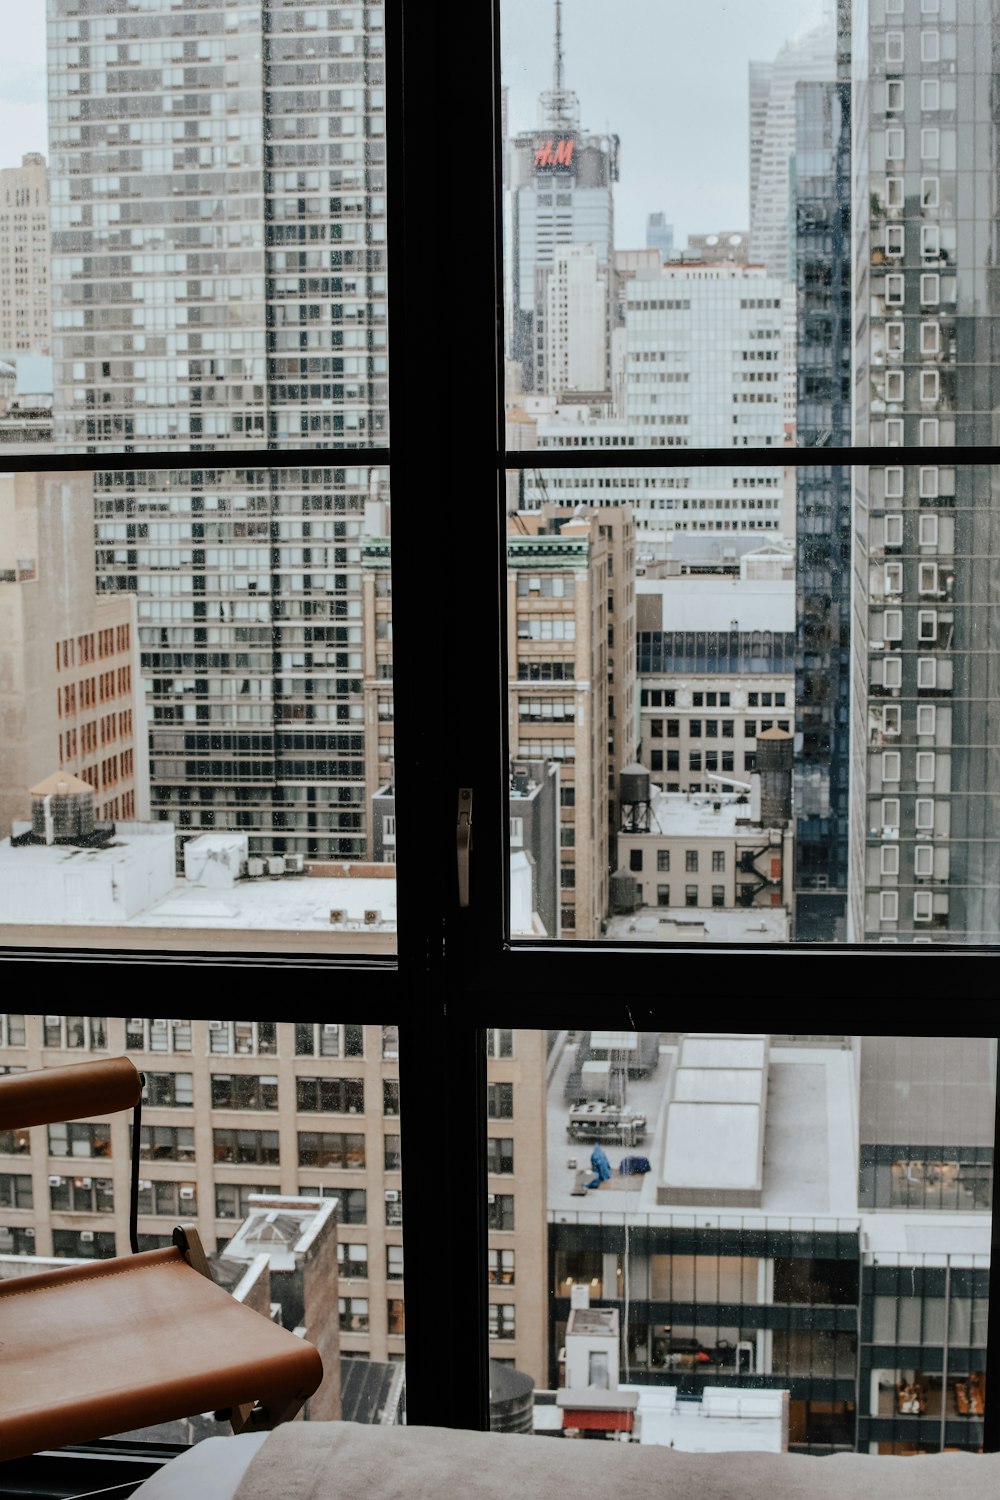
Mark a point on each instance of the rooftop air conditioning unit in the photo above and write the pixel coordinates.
(276, 865)
(255, 867)
(294, 864)
(372, 915)
(338, 916)
(55, 1182)
(86, 1236)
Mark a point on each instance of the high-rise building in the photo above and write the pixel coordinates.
(561, 181)
(25, 298)
(810, 55)
(925, 820)
(574, 337)
(823, 500)
(659, 235)
(220, 280)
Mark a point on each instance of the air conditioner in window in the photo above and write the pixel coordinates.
(216, 1025)
(372, 915)
(29, 1234)
(186, 1192)
(52, 1020)
(145, 1187)
(392, 1195)
(83, 1182)
(491, 1198)
(329, 1027)
(86, 1236)
(338, 916)
(56, 1181)
(161, 1022)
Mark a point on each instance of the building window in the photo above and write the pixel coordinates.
(244, 1091)
(663, 895)
(353, 1314)
(926, 718)
(83, 1244)
(15, 1190)
(499, 1043)
(239, 1038)
(635, 859)
(76, 1139)
(923, 861)
(390, 1041)
(930, 46)
(718, 859)
(718, 895)
(500, 1267)
(500, 1101)
(390, 1096)
(889, 859)
(500, 1211)
(925, 765)
(395, 1314)
(890, 765)
(499, 1154)
(691, 860)
(888, 906)
(923, 813)
(352, 1261)
(501, 1320)
(166, 1143)
(328, 1040)
(340, 1096)
(392, 1155)
(690, 895)
(331, 1148)
(259, 1146)
(663, 860)
(12, 1030)
(232, 1199)
(393, 1207)
(168, 1090)
(394, 1262)
(923, 906)
(89, 1033)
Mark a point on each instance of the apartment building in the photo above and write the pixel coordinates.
(296, 1108)
(70, 691)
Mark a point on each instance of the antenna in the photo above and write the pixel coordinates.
(557, 76)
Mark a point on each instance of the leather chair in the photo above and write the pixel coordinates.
(90, 1351)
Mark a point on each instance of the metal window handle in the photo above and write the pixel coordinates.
(463, 835)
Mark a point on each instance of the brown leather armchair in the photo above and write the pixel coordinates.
(90, 1351)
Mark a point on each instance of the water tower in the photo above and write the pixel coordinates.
(634, 796)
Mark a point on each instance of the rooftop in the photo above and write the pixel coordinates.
(697, 924)
(699, 815)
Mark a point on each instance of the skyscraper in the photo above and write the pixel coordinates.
(25, 306)
(925, 820)
(220, 282)
(561, 183)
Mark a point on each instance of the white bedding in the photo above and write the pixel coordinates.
(320, 1460)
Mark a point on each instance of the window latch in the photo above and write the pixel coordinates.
(463, 834)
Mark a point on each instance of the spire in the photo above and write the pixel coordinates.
(560, 108)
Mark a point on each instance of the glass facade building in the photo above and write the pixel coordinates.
(823, 506)
(925, 833)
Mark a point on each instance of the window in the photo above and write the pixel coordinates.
(232, 1199)
(395, 1317)
(343, 1096)
(930, 338)
(330, 1148)
(353, 1314)
(500, 1211)
(390, 1041)
(926, 718)
(244, 1091)
(691, 860)
(930, 46)
(499, 1043)
(76, 1139)
(894, 95)
(924, 812)
(663, 860)
(392, 1155)
(500, 1267)
(499, 1154)
(500, 1101)
(888, 906)
(166, 1143)
(501, 1320)
(15, 1190)
(718, 859)
(390, 1096)
(259, 1146)
(690, 895)
(923, 861)
(889, 859)
(328, 1040)
(168, 1090)
(923, 906)
(394, 1262)
(89, 1033)
(352, 1261)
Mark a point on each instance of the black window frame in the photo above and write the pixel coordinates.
(456, 971)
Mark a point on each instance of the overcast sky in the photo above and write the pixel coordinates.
(670, 79)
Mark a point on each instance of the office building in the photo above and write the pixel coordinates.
(561, 194)
(25, 258)
(71, 703)
(823, 503)
(924, 830)
(807, 57)
(573, 334)
(815, 1219)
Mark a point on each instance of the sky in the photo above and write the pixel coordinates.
(670, 80)
(668, 77)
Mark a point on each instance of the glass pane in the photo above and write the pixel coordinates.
(206, 694)
(217, 210)
(725, 1237)
(253, 1165)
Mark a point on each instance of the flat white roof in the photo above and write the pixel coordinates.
(686, 814)
(723, 1051)
(709, 601)
(620, 1041)
(689, 924)
(294, 902)
(712, 1146)
(717, 1085)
